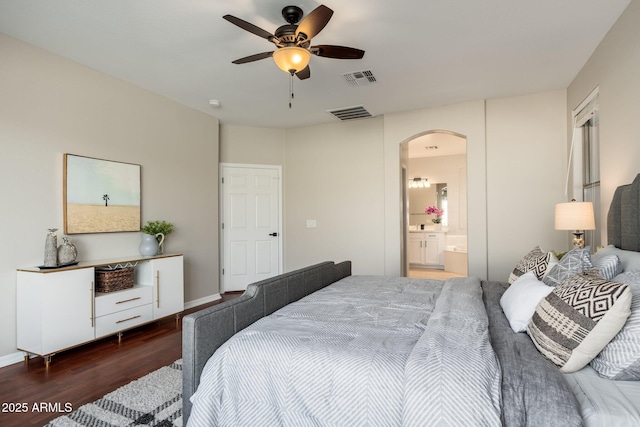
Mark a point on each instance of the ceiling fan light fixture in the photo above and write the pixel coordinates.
(292, 59)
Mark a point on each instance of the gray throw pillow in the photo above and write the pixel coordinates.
(620, 359)
(536, 260)
(609, 266)
(576, 261)
(632, 277)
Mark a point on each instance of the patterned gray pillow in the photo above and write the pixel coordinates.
(536, 260)
(620, 359)
(562, 325)
(609, 266)
(576, 261)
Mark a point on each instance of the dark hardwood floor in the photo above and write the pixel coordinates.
(32, 395)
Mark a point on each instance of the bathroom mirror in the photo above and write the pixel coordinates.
(420, 198)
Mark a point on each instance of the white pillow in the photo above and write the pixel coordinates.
(520, 299)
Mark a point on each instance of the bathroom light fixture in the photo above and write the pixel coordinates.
(576, 216)
(419, 183)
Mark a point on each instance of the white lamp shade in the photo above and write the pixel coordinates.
(292, 59)
(575, 216)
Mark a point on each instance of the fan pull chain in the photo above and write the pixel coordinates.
(290, 89)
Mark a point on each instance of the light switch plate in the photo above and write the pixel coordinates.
(311, 223)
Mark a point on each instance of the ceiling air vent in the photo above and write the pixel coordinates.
(350, 113)
(359, 78)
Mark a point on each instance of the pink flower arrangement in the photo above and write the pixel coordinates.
(433, 210)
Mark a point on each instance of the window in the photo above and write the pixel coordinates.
(587, 162)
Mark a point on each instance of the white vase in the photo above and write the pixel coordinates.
(149, 245)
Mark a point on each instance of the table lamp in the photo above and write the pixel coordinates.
(576, 216)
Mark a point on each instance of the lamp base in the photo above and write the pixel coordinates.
(578, 240)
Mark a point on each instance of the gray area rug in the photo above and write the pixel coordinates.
(153, 400)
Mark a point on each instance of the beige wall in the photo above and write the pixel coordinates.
(252, 145)
(50, 106)
(614, 67)
(526, 161)
(346, 176)
(334, 175)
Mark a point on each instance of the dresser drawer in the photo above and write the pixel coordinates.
(112, 323)
(122, 300)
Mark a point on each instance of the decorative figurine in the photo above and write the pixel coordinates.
(51, 249)
(67, 252)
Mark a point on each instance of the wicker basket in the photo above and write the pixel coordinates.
(114, 280)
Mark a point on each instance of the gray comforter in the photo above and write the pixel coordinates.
(534, 392)
(374, 351)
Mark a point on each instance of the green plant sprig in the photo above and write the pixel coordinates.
(155, 227)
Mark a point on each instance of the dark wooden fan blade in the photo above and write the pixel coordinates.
(305, 73)
(338, 52)
(250, 27)
(251, 58)
(314, 22)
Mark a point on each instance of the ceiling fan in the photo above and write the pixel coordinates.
(293, 41)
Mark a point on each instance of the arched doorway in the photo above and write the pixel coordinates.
(434, 174)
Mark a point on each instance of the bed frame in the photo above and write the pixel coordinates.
(206, 330)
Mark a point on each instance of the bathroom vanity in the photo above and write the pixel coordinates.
(426, 248)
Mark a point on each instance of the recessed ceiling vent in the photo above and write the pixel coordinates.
(350, 113)
(359, 78)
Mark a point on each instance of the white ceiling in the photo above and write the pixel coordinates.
(422, 52)
(437, 144)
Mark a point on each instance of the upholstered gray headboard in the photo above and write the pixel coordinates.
(623, 220)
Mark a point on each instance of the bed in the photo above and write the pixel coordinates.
(319, 346)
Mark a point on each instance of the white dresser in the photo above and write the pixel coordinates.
(58, 308)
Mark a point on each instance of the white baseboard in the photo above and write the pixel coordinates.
(203, 300)
(12, 358)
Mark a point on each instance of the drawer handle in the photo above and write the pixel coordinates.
(126, 320)
(128, 300)
(93, 307)
(158, 288)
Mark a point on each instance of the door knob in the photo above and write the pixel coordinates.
(273, 234)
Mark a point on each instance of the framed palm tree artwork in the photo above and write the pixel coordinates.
(100, 196)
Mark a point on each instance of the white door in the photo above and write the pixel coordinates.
(250, 225)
